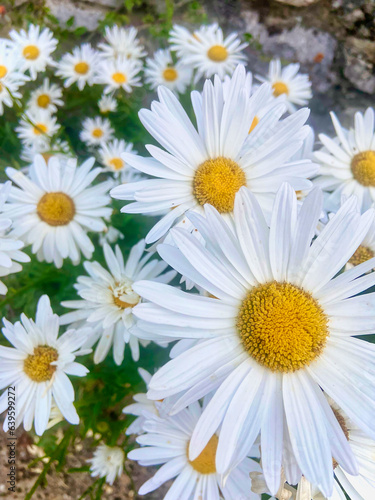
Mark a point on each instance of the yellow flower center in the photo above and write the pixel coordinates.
(81, 68)
(40, 128)
(282, 327)
(116, 163)
(363, 168)
(254, 123)
(205, 462)
(217, 53)
(3, 71)
(124, 296)
(217, 181)
(170, 75)
(31, 52)
(43, 100)
(97, 133)
(280, 88)
(362, 254)
(56, 209)
(38, 366)
(119, 78)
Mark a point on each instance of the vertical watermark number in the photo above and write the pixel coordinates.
(12, 439)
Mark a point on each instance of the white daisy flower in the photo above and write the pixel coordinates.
(108, 462)
(58, 148)
(120, 73)
(39, 365)
(110, 155)
(348, 161)
(47, 96)
(79, 66)
(180, 39)
(108, 298)
(110, 235)
(37, 127)
(296, 88)
(10, 77)
(10, 248)
(280, 329)
(34, 48)
(53, 208)
(161, 70)
(96, 131)
(166, 443)
(209, 165)
(107, 104)
(121, 42)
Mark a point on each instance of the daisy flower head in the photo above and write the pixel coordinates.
(37, 127)
(53, 208)
(120, 73)
(211, 163)
(10, 248)
(107, 298)
(34, 48)
(108, 462)
(161, 70)
(47, 96)
(121, 42)
(79, 67)
(280, 329)
(347, 162)
(180, 39)
(107, 104)
(96, 131)
(10, 77)
(58, 148)
(38, 366)
(110, 155)
(295, 87)
(166, 442)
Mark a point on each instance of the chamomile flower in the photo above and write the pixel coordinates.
(79, 67)
(348, 162)
(38, 366)
(96, 131)
(166, 443)
(296, 88)
(53, 208)
(108, 462)
(37, 128)
(120, 73)
(34, 48)
(110, 155)
(10, 248)
(161, 70)
(57, 148)
(47, 96)
(209, 165)
(280, 328)
(10, 77)
(107, 104)
(180, 39)
(121, 42)
(108, 298)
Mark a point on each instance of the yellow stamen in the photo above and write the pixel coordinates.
(282, 327)
(43, 101)
(254, 123)
(280, 88)
(217, 53)
(217, 181)
(363, 168)
(170, 75)
(31, 52)
(81, 68)
(3, 71)
(97, 133)
(362, 254)
(40, 128)
(56, 209)
(38, 365)
(205, 462)
(121, 303)
(117, 163)
(119, 78)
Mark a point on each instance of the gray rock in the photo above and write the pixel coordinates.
(84, 14)
(298, 3)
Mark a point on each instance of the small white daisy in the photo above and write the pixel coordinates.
(53, 208)
(121, 42)
(39, 365)
(57, 148)
(110, 235)
(166, 443)
(110, 155)
(37, 127)
(47, 96)
(10, 77)
(79, 66)
(108, 298)
(296, 88)
(107, 104)
(96, 131)
(180, 39)
(34, 48)
(108, 462)
(161, 70)
(120, 73)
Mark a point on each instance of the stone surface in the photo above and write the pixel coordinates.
(84, 14)
(298, 3)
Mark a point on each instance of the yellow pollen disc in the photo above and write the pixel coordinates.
(280, 88)
(205, 462)
(1, 88)
(81, 68)
(217, 181)
(38, 365)
(117, 163)
(362, 254)
(97, 133)
(121, 303)
(254, 123)
(217, 53)
(119, 78)
(3, 71)
(282, 327)
(46, 156)
(43, 101)
(170, 75)
(40, 128)
(31, 52)
(56, 209)
(363, 168)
